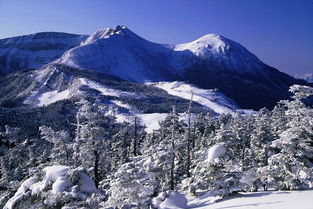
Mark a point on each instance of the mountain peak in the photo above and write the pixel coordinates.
(214, 43)
(227, 54)
(105, 33)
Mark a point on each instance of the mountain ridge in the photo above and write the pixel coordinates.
(210, 62)
(34, 50)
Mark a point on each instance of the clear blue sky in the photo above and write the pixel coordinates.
(280, 32)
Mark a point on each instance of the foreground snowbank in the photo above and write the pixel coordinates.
(58, 181)
(258, 200)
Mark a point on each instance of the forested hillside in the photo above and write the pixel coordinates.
(89, 160)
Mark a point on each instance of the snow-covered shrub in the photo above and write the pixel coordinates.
(132, 184)
(60, 185)
(169, 200)
(216, 152)
(219, 173)
(285, 172)
(250, 179)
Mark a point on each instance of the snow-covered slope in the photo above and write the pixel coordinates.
(52, 85)
(258, 200)
(224, 53)
(210, 98)
(210, 62)
(120, 52)
(35, 50)
(125, 100)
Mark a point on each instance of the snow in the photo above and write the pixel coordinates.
(103, 34)
(120, 52)
(249, 177)
(215, 152)
(54, 172)
(57, 176)
(212, 42)
(121, 104)
(206, 97)
(86, 184)
(35, 50)
(37, 188)
(257, 200)
(106, 91)
(21, 192)
(61, 184)
(174, 200)
(151, 120)
(42, 97)
(26, 185)
(52, 97)
(226, 53)
(170, 200)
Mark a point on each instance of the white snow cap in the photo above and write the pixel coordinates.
(104, 33)
(211, 42)
(215, 152)
(224, 52)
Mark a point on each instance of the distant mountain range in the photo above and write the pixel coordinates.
(133, 73)
(35, 50)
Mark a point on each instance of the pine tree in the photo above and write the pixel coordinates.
(294, 145)
(95, 138)
(61, 150)
(261, 137)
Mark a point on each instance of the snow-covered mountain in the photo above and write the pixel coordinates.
(120, 52)
(35, 50)
(210, 62)
(223, 52)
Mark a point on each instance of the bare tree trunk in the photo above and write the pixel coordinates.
(96, 168)
(172, 182)
(77, 138)
(243, 154)
(266, 155)
(189, 137)
(194, 137)
(135, 138)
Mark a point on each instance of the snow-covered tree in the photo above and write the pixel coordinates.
(294, 145)
(219, 172)
(94, 139)
(131, 185)
(61, 150)
(261, 137)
